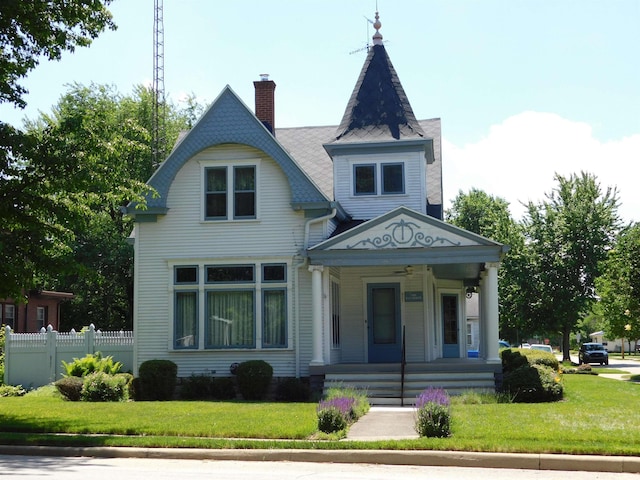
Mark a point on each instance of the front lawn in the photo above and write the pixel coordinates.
(597, 416)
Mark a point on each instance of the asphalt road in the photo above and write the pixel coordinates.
(80, 468)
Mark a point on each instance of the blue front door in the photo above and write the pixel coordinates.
(383, 317)
(451, 343)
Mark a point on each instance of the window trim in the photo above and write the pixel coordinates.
(355, 179)
(282, 289)
(382, 177)
(230, 165)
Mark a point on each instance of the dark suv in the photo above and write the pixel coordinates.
(593, 353)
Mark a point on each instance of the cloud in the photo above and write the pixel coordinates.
(518, 158)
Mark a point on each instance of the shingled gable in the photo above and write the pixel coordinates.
(228, 120)
(409, 235)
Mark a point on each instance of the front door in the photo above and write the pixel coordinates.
(451, 344)
(383, 317)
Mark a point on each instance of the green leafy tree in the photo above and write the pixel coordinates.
(569, 235)
(489, 216)
(619, 287)
(32, 30)
(111, 133)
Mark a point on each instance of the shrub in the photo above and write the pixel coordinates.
(157, 380)
(70, 388)
(102, 387)
(254, 378)
(223, 388)
(335, 414)
(533, 383)
(92, 362)
(293, 390)
(331, 420)
(433, 413)
(197, 387)
(361, 404)
(12, 391)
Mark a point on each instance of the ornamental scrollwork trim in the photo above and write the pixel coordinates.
(403, 234)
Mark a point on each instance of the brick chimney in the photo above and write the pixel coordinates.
(265, 104)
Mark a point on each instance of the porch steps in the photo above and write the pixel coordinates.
(384, 388)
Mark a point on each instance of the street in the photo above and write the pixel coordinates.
(81, 468)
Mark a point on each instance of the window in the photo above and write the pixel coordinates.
(230, 321)
(241, 306)
(274, 318)
(9, 315)
(41, 317)
(216, 193)
(364, 179)
(186, 319)
(390, 176)
(335, 314)
(469, 334)
(240, 203)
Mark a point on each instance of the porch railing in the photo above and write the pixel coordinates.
(403, 362)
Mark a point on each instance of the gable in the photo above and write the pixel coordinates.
(228, 120)
(404, 235)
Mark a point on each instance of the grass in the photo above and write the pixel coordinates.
(596, 417)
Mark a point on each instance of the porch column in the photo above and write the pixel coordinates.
(316, 305)
(492, 311)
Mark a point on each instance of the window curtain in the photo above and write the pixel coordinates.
(186, 319)
(230, 317)
(275, 319)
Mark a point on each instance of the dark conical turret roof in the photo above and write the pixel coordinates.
(378, 109)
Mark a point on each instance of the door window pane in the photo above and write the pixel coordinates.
(384, 316)
(450, 317)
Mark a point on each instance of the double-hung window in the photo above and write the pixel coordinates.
(367, 177)
(185, 307)
(230, 192)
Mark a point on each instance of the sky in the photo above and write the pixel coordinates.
(525, 89)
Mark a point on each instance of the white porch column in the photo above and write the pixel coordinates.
(316, 292)
(492, 311)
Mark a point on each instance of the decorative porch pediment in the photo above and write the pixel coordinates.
(403, 228)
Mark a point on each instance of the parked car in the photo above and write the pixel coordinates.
(503, 344)
(539, 346)
(592, 352)
(525, 345)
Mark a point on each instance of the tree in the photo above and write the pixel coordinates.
(489, 216)
(619, 287)
(111, 132)
(30, 30)
(569, 235)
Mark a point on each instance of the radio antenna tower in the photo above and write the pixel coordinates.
(159, 111)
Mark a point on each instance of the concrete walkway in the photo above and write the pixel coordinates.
(384, 423)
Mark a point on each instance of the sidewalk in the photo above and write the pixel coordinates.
(384, 423)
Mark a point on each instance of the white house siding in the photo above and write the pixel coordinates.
(353, 311)
(368, 206)
(180, 237)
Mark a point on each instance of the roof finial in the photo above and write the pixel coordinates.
(377, 37)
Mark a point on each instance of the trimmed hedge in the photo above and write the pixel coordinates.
(157, 380)
(254, 378)
(531, 376)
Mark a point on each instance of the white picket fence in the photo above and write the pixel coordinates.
(35, 359)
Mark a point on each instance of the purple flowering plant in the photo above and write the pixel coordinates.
(433, 395)
(343, 404)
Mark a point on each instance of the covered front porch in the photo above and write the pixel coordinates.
(389, 305)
